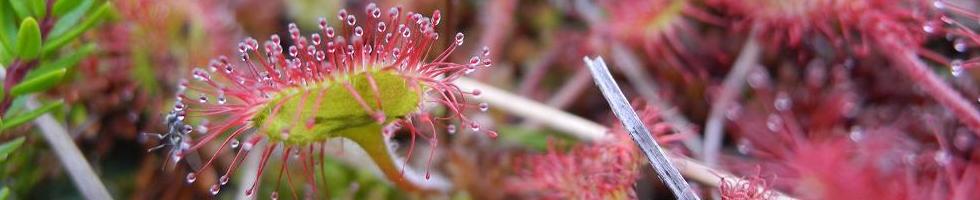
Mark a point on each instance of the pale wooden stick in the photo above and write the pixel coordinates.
(71, 158)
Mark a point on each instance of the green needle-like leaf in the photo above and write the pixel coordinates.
(9, 147)
(57, 42)
(63, 6)
(27, 117)
(40, 83)
(21, 8)
(29, 39)
(67, 62)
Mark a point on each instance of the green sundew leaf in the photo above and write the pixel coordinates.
(28, 39)
(27, 117)
(9, 147)
(4, 193)
(40, 83)
(56, 42)
(21, 8)
(66, 62)
(63, 6)
(70, 19)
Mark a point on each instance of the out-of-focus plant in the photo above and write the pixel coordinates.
(31, 51)
(605, 169)
(34, 38)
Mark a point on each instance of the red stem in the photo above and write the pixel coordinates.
(907, 62)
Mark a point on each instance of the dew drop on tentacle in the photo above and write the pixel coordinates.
(382, 27)
(476, 93)
(191, 177)
(376, 13)
(459, 39)
(224, 179)
(221, 99)
(956, 67)
(484, 107)
(358, 31)
(436, 17)
(938, 5)
(320, 56)
(492, 134)
(774, 123)
(782, 102)
(351, 20)
(451, 129)
(186, 129)
(342, 14)
(215, 189)
(293, 51)
(474, 61)
(487, 62)
(330, 32)
(486, 51)
(322, 22)
(315, 38)
(959, 45)
(274, 195)
(179, 106)
(275, 39)
(475, 126)
(234, 143)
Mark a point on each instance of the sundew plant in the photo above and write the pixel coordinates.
(362, 82)
(502, 99)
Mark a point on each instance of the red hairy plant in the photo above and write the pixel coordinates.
(605, 169)
(753, 188)
(664, 29)
(896, 31)
(362, 82)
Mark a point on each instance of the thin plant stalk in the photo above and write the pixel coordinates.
(559, 120)
(731, 87)
(81, 173)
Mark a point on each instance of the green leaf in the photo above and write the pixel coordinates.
(8, 26)
(28, 39)
(40, 83)
(70, 19)
(66, 62)
(63, 6)
(56, 42)
(4, 56)
(21, 8)
(17, 120)
(38, 7)
(9, 147)
(4, 193)
(2, 92)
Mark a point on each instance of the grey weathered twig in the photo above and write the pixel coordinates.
(71, 158)
(638, 131)
(647, 88)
